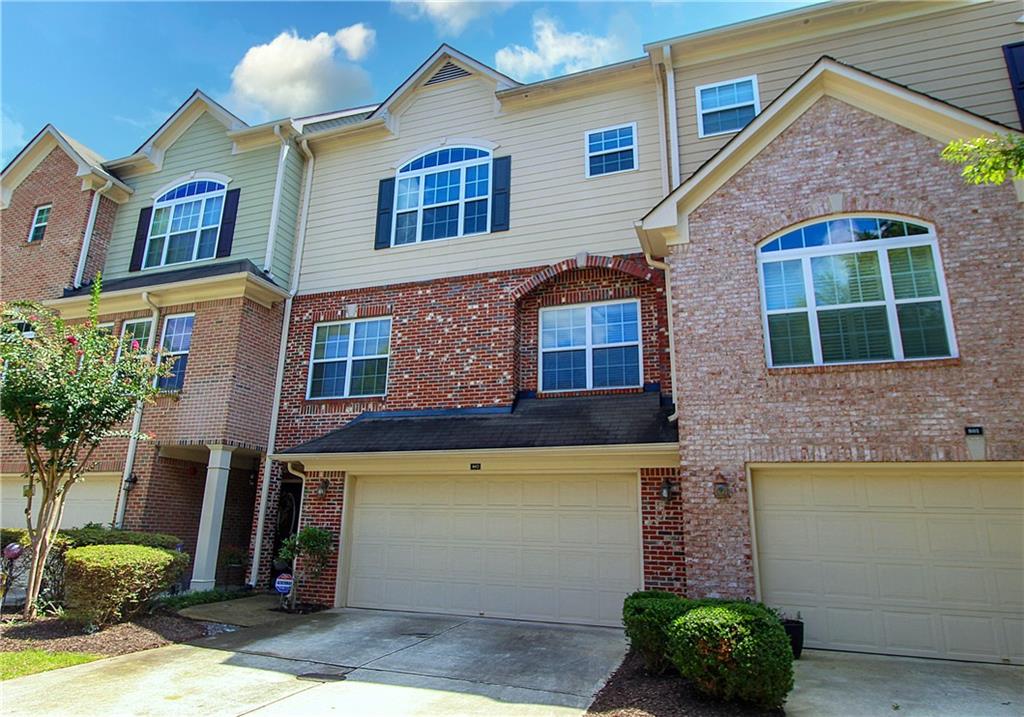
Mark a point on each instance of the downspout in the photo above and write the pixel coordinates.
(275, 206)
(90, 226)
(133, 441)
(658, 264)
(279, 379)
(673, 113)
(659, 85)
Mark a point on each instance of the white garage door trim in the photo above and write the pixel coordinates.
(91, 500)
(608, 615)
(957, 624)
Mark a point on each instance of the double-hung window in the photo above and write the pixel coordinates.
(590, 346)
(444, 193)
(611, 150)
(39, 221)
(350, 358)
(175, 344)
(134, 330)
(854, 290)
(185, 224)
(726, 106)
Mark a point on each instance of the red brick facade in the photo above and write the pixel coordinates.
(43, 269)
(463, 342)
(734, 410)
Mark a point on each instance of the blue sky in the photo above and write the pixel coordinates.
(109, 73)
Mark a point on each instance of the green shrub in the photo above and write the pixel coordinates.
(110, 583)
(646, 615)
(734, 651)
(201, 597)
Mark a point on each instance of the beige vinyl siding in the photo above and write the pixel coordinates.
(955, 56)
(288, 216)
(203, 147)
(555, 211)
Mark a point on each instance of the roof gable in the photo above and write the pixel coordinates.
(666, 223)
(446, 64)
(90, 168)
(149, 157)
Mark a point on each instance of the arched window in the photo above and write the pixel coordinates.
(853, 290)
(444, 193)
(185, 223)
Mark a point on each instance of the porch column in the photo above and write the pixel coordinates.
(204, 571)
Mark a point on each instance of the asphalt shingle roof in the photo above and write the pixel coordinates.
(532, 423)
(144, 279)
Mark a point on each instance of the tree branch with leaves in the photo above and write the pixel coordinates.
(64, 388)
(988, 160)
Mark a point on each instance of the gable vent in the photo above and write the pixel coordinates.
(449, 71)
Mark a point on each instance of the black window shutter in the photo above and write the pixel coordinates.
(227, 223)
(1014, 55)
(141, 231)
(385, 204)
(502, 167)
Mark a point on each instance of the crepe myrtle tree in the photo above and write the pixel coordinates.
(988, 160)
(63, 389)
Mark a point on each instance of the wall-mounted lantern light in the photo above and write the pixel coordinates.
(666, 489)
(721, 488)
(321, 489)
(130, 482)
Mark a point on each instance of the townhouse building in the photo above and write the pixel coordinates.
(717, 320)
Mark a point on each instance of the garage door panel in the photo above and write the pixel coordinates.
(549, 548)
(929, 562)
(90, 500)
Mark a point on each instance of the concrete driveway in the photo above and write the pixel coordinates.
(345, 662)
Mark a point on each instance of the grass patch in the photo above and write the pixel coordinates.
(29, 662)
(201, 597)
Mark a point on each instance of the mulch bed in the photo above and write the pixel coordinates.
(631, 692)
(142, 633)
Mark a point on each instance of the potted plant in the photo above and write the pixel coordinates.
(314, 545)
(232, 561)
(794, 627)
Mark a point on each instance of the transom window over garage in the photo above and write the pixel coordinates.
(441, 194)
(185, 224)
(854, 290)
(590, 346)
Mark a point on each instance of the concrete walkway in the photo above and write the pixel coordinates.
(845, 684)
(244, 612)
(344, 662)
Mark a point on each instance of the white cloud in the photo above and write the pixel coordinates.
(556, 52)
(12, 137)
(294, 76)
(449, 17)
(356, 40)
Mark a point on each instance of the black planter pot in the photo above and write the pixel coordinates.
(795, 630)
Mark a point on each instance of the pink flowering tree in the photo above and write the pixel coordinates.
(63, 389)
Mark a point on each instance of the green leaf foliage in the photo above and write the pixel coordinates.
(734, 651)
(200, 597)
(111, 583)
(313, 544)
(988, 160)
(646, 616)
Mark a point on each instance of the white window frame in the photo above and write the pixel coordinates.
(348, 359)
(124, 331)
(700, 110)
(36, 223)
(587, 154)
(163, 335)
(880, 247)
(169, 205)
(589, 346)
(422, 174)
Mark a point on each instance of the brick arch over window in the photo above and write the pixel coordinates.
(822, 206)
(589, 279)
(625, 265)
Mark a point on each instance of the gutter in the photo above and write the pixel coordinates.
(275, 207)
(90, 226)
(282, 350)
(657, 264)
(133, 442)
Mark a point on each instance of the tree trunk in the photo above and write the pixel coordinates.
(50, 511)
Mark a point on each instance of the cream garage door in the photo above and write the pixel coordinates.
(922, 559)
(91, 500)
(549, 548)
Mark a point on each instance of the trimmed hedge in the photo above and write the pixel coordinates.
(201, 597)
(95, 535)
(111, 583)
(734, 651)
(646, 615)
